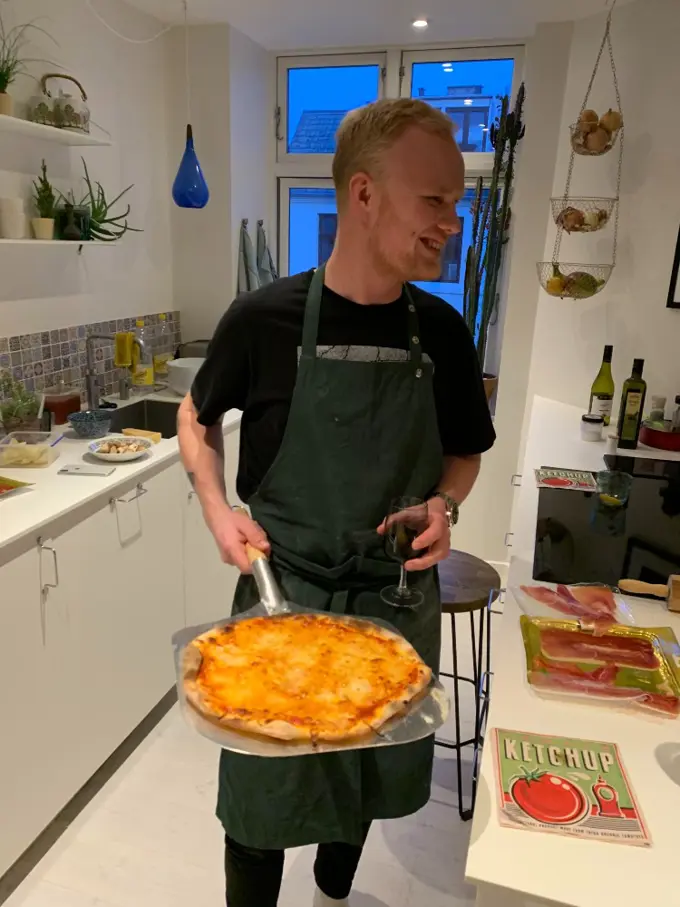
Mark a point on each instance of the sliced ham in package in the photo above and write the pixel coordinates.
(629, 666)
(594, 608)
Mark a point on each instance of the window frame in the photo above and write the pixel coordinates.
(316, 162)
(285, 184)
(477, 163)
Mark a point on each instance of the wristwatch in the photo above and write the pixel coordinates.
(452, 510)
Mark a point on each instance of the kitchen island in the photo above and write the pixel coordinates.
(96, 574)
(515, 868)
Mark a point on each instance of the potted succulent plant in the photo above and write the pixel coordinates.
(12, 62)
(92, 217)
(45, 202)
(18, 407)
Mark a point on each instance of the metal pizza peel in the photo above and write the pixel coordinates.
(421, 719)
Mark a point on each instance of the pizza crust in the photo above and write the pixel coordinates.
(341, 726)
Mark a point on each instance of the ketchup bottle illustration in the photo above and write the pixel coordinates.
(608, 800)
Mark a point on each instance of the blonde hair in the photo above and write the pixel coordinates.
(366, 133)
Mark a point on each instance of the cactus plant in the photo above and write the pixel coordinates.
(491, 214)
(44, 198)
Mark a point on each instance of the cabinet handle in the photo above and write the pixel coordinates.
(516, 480)
(192, 494)
(139, 492)
(43, 547)
(508, 537)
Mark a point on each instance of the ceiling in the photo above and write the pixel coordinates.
(298, 24)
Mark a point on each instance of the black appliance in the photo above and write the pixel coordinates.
(581, 539)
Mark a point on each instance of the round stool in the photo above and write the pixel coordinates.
(469, 586)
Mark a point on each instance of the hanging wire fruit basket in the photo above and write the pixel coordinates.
(592, 135)
(582, 215)
(571, 280)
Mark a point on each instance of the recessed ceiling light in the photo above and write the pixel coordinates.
(420, 23)
(482, 125)
(468, 102)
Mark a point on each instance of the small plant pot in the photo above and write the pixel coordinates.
(10, 425)
(72, 223)
(43, 227)
(6, 104)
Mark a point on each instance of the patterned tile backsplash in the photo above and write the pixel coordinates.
(44, 359)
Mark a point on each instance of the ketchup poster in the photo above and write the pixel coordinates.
(566, 786)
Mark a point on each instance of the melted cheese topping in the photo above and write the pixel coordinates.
(310, 671)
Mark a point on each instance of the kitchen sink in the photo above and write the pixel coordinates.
(150, 415)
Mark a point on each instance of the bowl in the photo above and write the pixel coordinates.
(143, 445)
(582, 215)
(181, 374)
(91, 423)
(579, 141)
(571, 280)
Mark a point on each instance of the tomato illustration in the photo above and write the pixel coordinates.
(558, 482)
(548, 798)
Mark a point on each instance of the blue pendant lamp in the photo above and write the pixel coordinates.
(190, 189)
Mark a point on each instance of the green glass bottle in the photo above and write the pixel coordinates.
(632, 405)
(602, 391)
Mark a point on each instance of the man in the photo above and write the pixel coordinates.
(355, 389)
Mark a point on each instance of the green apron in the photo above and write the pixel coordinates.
(358, 435)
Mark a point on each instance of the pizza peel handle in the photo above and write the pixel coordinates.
(270, 594)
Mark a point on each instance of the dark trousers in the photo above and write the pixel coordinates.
(254, 876)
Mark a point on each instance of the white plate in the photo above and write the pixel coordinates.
(119, 458)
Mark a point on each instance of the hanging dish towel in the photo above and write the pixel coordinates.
(247, 264)
(266, 269)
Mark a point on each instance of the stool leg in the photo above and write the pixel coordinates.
(465, 814)
(479, 695)
(473, 643)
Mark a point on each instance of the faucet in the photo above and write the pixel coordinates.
(91, 385)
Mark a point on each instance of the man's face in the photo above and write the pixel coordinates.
(411, 204)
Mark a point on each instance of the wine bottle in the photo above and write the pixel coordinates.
(602, 391)
(632, 404)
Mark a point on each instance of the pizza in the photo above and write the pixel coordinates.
(303, 677)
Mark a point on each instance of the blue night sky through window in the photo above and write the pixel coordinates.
(319, 97)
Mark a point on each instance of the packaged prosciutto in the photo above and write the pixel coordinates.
(630, 666)
(595, 608)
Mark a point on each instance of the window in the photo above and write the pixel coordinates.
(309, 222)
(467, 85)
(308, 225)
(315, 93)
(451, 281)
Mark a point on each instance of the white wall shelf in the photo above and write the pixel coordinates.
(61, 243)
(48, 133)
(55, 242)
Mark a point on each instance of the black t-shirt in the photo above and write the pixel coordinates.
(252, 365)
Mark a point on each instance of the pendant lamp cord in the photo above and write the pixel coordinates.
(113, 31)
(186, 59)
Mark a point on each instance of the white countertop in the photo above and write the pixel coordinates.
(51, 495)
(559, 869)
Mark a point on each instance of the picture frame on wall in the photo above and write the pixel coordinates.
(674, 291)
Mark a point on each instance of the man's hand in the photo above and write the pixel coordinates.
(232, 530)
(436, 538)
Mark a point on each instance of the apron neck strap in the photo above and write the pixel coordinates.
(310, 329)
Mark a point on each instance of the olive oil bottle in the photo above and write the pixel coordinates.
(602, 391)
(632, 404)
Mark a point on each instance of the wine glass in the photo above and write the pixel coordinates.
(407, 519)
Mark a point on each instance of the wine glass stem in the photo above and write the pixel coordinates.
(402, 589)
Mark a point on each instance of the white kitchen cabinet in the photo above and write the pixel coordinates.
(209, 583)
(34, 737)
(86, 659)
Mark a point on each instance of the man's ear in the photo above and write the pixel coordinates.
(361, 191)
